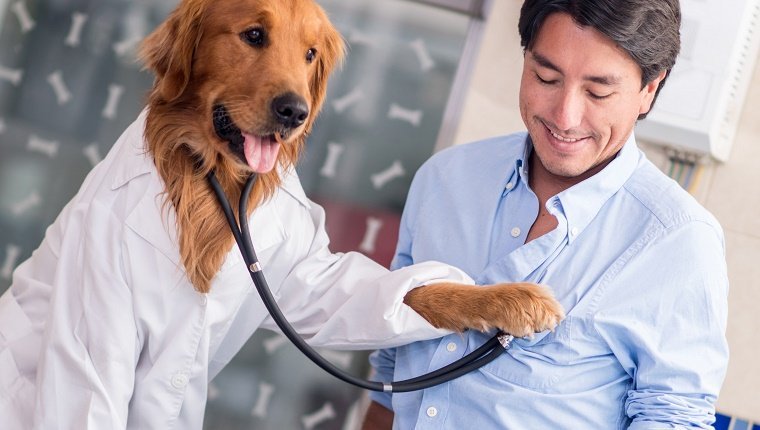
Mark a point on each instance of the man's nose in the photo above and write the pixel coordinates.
(569, 109)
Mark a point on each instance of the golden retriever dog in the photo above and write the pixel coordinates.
(137, 296)
(238, 87)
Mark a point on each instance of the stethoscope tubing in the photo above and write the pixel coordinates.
(483, 355)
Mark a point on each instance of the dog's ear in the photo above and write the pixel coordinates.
(331, 55)
(169, 50)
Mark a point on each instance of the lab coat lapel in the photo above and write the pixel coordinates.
(156, 223)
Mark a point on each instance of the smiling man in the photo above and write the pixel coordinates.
(637, 263)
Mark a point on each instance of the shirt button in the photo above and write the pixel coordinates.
(451, 347)
(204, 299)
(431, 412)
(515, 232)
(510, 185)
(179, 380)
(574, 231)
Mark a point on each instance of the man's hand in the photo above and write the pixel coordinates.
(377, 418)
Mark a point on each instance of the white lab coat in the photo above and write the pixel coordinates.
(101, 328)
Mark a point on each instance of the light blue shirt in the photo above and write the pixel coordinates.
(637, 263)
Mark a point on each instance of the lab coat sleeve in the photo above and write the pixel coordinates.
(347, 301)
(89, 349)
(672, 339)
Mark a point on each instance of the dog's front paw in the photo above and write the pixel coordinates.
(520, 309)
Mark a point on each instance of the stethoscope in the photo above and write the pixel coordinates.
(485, 354)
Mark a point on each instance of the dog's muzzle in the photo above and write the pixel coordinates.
(290, 110)
(228, 131)
(225, 128)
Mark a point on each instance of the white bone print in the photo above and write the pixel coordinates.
(92, 153)
(24, 206)
(411, 116)
(262, 403)
(125, 46)
(62, 93)
(74, 38)
(12, 253)
(47, 147)
(327, 412)
(396, 170)
(334, 150)
(370, 235)
(114, 95)
(349, 99)
(272, 344)
(423, 54)
(11, 75)
(358, 38)
(22, 14)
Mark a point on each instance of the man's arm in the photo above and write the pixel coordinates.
(380, 414)
(665, 320)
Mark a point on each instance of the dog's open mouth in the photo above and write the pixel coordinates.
(258, 152)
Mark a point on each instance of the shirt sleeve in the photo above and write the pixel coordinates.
(383, 363)
(89, 351)
(667, 327)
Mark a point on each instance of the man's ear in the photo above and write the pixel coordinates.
(650, 91)
(169, 50)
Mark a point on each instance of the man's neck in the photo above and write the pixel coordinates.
(546, 184)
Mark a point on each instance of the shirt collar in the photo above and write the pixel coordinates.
(519, 174)
(581, 202)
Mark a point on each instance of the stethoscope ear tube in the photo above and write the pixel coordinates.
(485, 354)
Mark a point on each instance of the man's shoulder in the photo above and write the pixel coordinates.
(491, 153)
(664, 198)
(468, 171)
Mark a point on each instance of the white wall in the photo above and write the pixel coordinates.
(730, 191)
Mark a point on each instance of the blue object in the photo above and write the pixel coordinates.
(638, 265)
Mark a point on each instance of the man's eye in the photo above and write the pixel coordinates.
(544, 81)
(597, 96)
(254, 36)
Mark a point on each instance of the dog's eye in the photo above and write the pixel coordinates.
(254, 36)
(311, 54)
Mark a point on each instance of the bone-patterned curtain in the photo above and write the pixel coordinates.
(70, 83)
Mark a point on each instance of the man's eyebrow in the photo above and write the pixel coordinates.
(608, 80)
(544, 62)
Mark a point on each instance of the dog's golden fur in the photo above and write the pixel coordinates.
(200, 60)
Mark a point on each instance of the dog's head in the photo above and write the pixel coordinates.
(251, 75)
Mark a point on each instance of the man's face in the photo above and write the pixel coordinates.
(580, 97)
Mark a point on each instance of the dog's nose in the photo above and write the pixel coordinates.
(290, 110)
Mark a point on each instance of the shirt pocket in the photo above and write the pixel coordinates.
(537, 364)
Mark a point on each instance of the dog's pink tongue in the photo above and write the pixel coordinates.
(260, 152)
